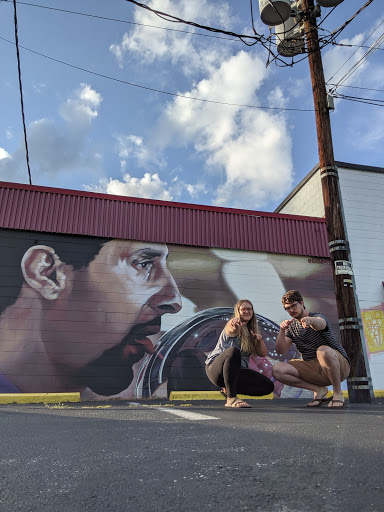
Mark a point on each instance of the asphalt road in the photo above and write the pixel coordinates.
(117, 456)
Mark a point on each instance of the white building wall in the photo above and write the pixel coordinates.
(308, 200)
(363, 202)
(362, 193)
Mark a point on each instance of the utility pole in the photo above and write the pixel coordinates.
(359, 382)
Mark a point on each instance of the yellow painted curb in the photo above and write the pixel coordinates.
(216, 395)
(38, 398)
(210, 395)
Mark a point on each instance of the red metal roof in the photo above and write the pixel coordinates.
(34, 208)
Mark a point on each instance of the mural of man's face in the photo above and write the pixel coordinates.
(117, 301)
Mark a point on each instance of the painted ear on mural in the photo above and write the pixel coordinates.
(43, 271)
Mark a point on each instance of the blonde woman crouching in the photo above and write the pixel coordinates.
(227, 364)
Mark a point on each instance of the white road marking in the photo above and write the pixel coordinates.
(194, 416)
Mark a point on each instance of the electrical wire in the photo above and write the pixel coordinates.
(174, 19)
(366, 39)
(21, 91)
(258, 38)
(359, 62)
(368, 101)
(338, 31)
(354, 46)
(123, 21)
(362, 88)
(330, 12)
(153, 89)
(267, 42)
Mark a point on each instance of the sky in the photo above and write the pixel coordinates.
(95, 122)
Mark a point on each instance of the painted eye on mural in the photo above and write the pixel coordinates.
(144, 265)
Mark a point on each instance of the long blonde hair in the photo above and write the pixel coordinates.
(248, 343)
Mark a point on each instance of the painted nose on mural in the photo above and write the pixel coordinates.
(167, 299)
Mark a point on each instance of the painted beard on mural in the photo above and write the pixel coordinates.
(112, 372)
(140, 276)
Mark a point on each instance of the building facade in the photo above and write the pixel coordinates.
(124, 297)
(362, 195)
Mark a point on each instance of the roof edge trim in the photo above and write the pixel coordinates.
(140, 200)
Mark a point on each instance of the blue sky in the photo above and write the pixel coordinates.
(88, 132)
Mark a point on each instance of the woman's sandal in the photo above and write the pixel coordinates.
(238, 404)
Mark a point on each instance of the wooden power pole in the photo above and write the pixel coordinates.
(359, 382)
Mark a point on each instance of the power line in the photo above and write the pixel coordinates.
(330, 12)
(362, 88)
(354, 45)
(234, 36)
(366, 39)
(249, 40)
(153, 89)
(21, 91)
(368, 101)
(360, 61)
(257, 38)
(338, 31)
(123, 21)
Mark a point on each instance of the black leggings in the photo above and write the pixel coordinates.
(225, 371)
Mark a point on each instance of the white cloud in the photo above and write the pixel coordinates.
(4, 154)
(149, 44)
(251, 146)
(132, 146)
(258, 162)
(53, 151)
(149, 186)
(82, 108)
(248, 150)
(277, 98)
(196, 190)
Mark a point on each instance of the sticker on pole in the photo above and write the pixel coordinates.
(343, 267)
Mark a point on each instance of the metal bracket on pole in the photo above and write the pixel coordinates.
(338, 245)
(350, 323)
(354, 382)
(329, 170)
